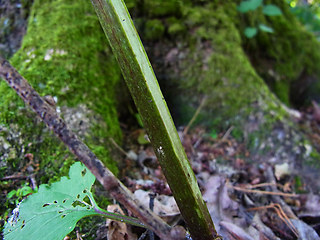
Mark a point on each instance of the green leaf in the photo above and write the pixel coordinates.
(139, 119)
(25, 190)
(11, 194)
(54, 210)
(271, 10)
(249, 5)
(250, 32)
(265, 28)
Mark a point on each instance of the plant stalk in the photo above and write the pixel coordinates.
(142, 83)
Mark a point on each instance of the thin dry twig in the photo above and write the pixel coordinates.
(276, 198)
(264, 185)
(51, 118)
(227, 134)
(194, 117)
(280, 213)
(118, 147)
(13, 177)
(264, 192)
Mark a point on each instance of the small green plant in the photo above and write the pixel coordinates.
(15, 196)
(308, 14)
(54, 210)
(254, 5)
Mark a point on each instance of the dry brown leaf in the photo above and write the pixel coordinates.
(305, 231)
(117, 230)
(235, 232)
(164, 206)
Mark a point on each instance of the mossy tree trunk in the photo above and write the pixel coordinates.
(199, 51)
(63, 54)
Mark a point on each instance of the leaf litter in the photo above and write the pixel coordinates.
(246, 200)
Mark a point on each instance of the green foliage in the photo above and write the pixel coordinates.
(250, 32)
(308, 14)
(253, 5)
(154, 29)
(160, 8)
(265, 28)
(271, 10)
(249, 5)
(17, 195)
(54, 210)
(288, 64)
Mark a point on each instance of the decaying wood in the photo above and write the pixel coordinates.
(51, 118)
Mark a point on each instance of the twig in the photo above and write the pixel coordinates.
(226, 135)
(33, 181)
(51, 118)
(281, 215)
(118, 147)
(12, 177)
(194, 117)
(264, 185)
(264, 192)
(224, 139)
(270, 177)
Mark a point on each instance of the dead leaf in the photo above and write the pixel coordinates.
(305, 231)
(235, 232)
(281, 170)
(117, 230)
(164, 206)
(220, 206)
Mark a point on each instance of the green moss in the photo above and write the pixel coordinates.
(64, 54)
(288, 53)
(154, 29)
(175, 27)
(160, 8)
(221, 62)
(281, 89)
(211, 62)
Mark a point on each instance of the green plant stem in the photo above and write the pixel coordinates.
(114, 216)
(144, 88)
(118, 217)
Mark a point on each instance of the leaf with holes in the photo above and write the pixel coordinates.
(54, 210)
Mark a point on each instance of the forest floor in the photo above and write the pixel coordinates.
(247, 200)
